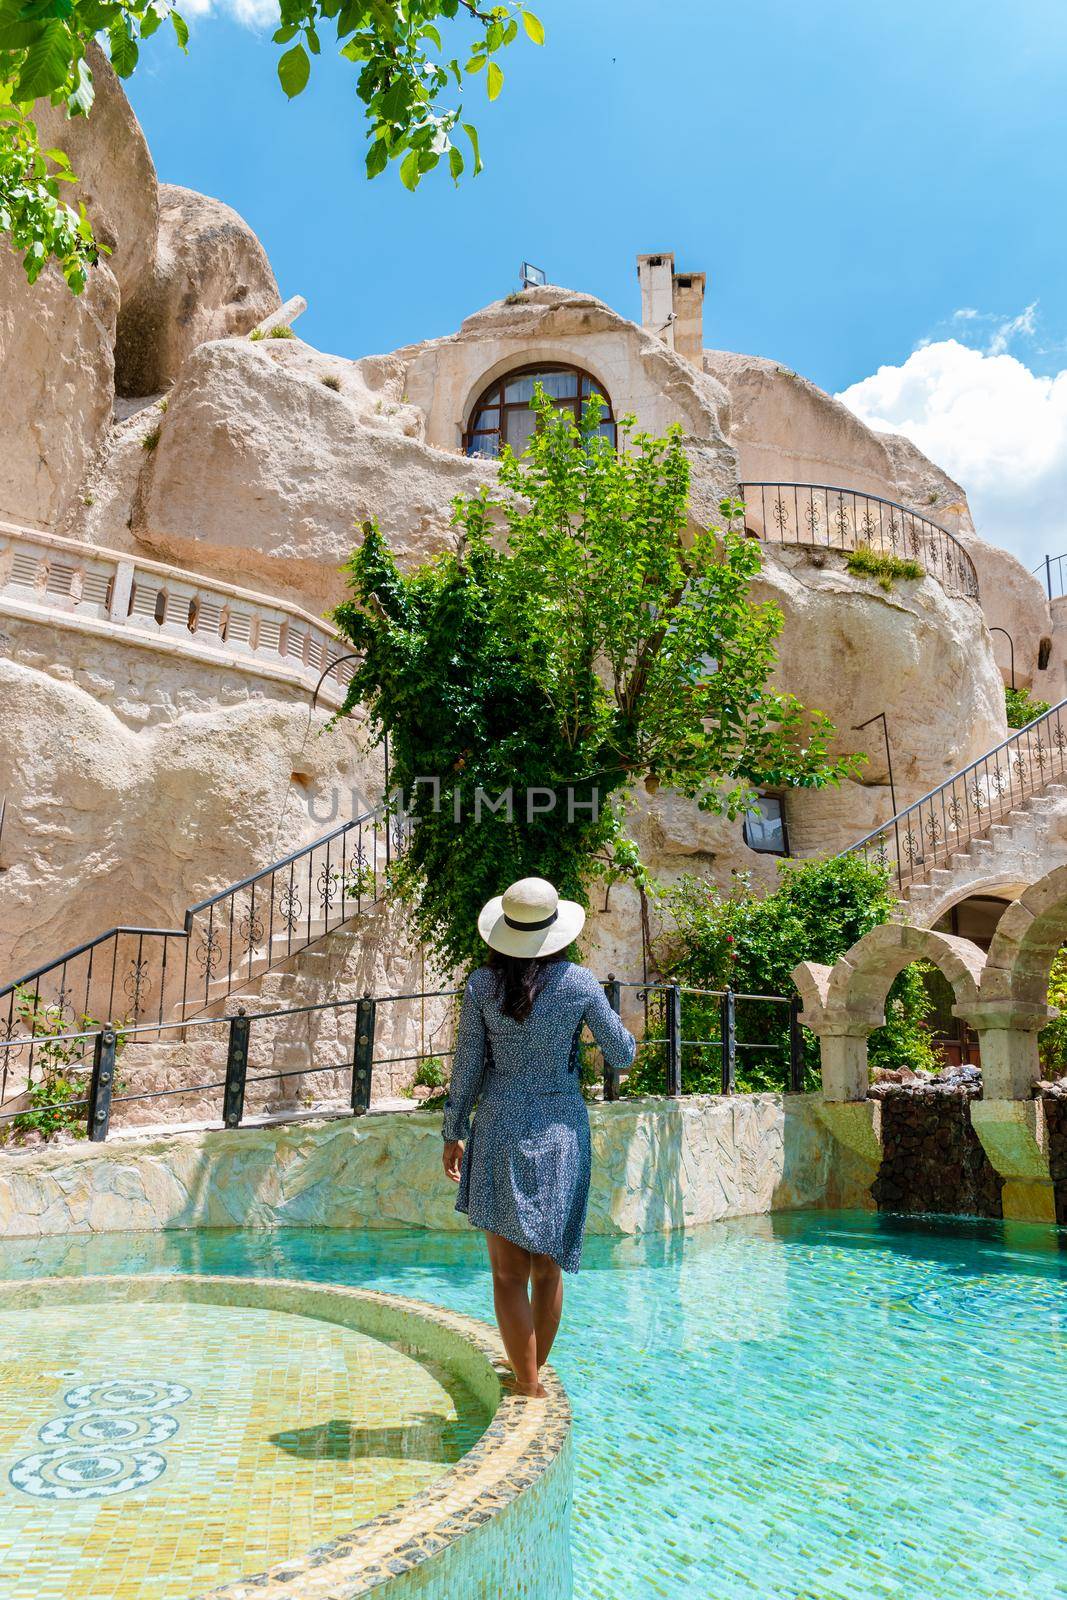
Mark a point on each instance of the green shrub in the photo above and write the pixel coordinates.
(863, 562)
(750, 943)
(150, 440)
(1052, 1040)
(1021, 709)
(58, 1098)
(281, 332)
(431, 1074)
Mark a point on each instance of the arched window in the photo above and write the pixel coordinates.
(503, 416)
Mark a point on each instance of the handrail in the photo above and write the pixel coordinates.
(275, 866)
(833, 517)
(972, 800)
(226, 941)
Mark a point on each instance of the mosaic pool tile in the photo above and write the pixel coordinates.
(203, 1443)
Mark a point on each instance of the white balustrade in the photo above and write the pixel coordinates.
(149, 602)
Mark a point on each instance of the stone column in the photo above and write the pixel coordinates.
(1007, 1119)
(1015, 1139)
(843, 1060)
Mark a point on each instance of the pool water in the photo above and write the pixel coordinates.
(794, 1407)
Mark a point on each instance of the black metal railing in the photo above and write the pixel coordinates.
(820, 516)
(356, 1048)
(1051, 569)
(692, 1038)
(131, 976)
(927, 833)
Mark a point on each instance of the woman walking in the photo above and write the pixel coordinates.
(523, 1166)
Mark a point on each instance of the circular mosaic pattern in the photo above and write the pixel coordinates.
(109, 1428)
(66, 1474)
(118, 1394)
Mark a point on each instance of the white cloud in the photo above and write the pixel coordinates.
(990, 421)
(252, 13)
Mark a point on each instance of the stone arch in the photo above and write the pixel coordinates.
(846, 1002)
(531, 356)
(1026, 943)
(860, 980)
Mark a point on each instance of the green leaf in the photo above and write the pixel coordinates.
(534, 27)
(123, 47)
(472, 134)
(495, 80)
(294, 69)
(476, 63)
(47, 63)
(455, 162)
(150, 22)
(409, 170)
(181, 28)
(430, 32)
(377, 158)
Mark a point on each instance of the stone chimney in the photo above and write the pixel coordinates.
(672, 305)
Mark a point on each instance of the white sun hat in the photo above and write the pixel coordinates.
(530, 919)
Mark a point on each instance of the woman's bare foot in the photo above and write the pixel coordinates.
(530, 1391)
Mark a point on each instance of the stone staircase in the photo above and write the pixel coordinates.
(1026, 843)
(994, 827)
(300, 1061)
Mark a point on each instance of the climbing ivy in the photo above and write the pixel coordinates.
(578, 642)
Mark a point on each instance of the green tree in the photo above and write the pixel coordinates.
(751, 942)
(407, 79)
(580, 641)
(1021, 709)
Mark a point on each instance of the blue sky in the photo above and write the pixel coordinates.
(851, 174)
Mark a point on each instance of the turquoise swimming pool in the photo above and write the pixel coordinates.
(795, 1407)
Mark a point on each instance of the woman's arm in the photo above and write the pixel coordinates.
(617, 1043)
(468, 1065)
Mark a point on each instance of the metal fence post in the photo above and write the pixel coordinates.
(614, 997)
(796, 1047)
(363, 1054)
(728, 1030)
(98, 1116)
(233, 1094)
(673, 1000)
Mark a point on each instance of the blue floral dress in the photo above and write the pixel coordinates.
(526, 1165)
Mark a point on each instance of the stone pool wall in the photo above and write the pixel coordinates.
(497, 1522)
(657, 1165)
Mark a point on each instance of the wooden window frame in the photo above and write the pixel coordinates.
(493, 398)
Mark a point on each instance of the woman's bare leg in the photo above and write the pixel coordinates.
(547, 1303)
(511, 1301)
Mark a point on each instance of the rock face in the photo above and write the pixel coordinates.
(264, 469)
(209, 279)
(115, 171)
(136, 784)
(657, 1166)
(56, 376)
(786, 429)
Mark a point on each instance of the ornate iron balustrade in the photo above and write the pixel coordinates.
(147, 602)
(819, 516)
(927, 833)
(132, 977)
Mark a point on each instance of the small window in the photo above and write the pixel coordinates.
(764, 826)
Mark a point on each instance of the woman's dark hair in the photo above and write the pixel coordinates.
(519, 980)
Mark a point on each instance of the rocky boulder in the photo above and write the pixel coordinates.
(56, 385)
(115, 171)
(209, 279)
(269, 457)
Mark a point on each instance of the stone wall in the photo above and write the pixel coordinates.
(932, 1159)
(657, 1165)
